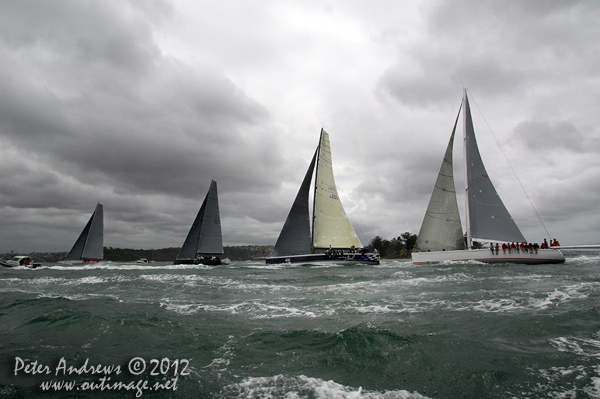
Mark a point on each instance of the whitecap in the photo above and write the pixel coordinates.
(281, 386)
(586, 347)
(563, 295)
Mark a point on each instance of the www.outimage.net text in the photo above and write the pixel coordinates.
(166, 369)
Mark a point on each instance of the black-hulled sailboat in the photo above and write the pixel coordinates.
(333, 239)
(204, 242)
(89, 247)
(441, 236)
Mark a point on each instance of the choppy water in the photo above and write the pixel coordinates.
(252, 331)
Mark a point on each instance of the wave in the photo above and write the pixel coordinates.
(123, 266)
(364, 350)
(586, 347)
(301, 386)
(582, 258)
(566, 382)
(254, 309)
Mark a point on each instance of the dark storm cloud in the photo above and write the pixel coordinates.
(139, 104)
(113, 108)
(99, 113)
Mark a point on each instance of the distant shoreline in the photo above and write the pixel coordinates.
(239, 252)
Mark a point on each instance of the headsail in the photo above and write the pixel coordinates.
(441, 229)
(488, 218)
(295, 237)
(90, 244)
(331, 225)
(205, 236)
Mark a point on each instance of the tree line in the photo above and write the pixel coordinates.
(399, 247)
(242, 252)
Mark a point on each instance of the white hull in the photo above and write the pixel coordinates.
(543, 256)
(18, 261)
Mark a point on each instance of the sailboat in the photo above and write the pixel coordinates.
(441, 236)
(333, 239)
(89, 247)
(204, 242)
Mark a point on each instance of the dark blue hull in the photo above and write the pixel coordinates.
(210, 262)
(346, 259)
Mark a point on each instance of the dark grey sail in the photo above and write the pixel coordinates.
(488, 218)
(204, 237)
(441, 229)
(90, 244)
(295, 237)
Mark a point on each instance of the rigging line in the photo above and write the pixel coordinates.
(511, 167)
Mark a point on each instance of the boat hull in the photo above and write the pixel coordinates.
(209, 262)
(9, 264)
(343, 259)
(20, 261)
(543, 256)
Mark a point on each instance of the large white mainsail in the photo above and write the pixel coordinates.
(331, 228)
(441, 229)
(90, 244)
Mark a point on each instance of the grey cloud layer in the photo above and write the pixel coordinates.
(139, 104)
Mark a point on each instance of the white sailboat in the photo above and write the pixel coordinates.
(204, 242)
(441, 236)
(89, 247)
(333, 238)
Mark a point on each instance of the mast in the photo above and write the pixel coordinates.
(331, 226)
(467, 216)
(487, 216)
(314, 215)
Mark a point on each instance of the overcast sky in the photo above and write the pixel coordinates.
(138, 104)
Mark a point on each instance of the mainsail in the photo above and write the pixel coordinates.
(205, 236)
(487, 216)
(295, 237)
(90, 244)
(441, 229)
(331, 227)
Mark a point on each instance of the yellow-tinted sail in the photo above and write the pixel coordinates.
(331, 225)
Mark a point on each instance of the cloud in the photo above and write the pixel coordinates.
(139, 104)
